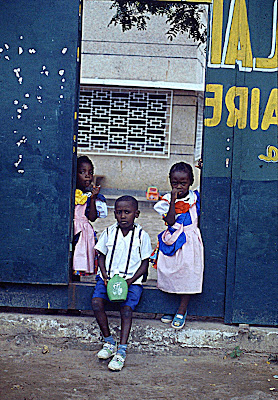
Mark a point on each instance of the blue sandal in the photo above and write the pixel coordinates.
(167, 319)
(179, 321)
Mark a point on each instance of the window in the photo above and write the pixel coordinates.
(121, 121)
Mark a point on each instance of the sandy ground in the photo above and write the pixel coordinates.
(36, 369)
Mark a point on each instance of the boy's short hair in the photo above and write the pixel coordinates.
(127, 198)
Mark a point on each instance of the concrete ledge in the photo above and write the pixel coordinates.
(147, 335)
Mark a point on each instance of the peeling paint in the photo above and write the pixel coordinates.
(64, 50)
(16, 164)
(61, 72)
(7, 58)
(27, 95)
(20, 50)
(32, 51)
(20, 171)
(16, 101)
(7, 46)
(22, 141)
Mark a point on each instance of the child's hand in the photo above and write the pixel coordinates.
(174, 193)
(128, 281)
(95, 191)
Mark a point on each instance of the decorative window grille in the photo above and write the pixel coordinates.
(122, 121)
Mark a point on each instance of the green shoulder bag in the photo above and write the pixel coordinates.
(117, 288)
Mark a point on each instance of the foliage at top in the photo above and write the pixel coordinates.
(182, 17)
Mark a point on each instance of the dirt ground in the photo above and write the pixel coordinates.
(50, 370)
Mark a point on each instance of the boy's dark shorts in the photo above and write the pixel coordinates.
(133, 295)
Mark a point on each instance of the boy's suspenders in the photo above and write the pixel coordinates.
(145, 276)
(129, 251)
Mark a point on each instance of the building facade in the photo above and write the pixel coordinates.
(141, 100)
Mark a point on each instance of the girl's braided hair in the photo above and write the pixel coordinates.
(84, 159)
(182, 166)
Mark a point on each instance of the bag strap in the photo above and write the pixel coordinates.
(113, 251)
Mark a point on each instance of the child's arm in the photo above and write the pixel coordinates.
(171, 215)
(101, 264)
(140, 271)
(92, 216)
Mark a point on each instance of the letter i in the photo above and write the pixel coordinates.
(254, 109)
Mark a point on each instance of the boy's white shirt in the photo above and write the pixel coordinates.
(105, 245)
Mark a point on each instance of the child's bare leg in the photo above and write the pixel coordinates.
(101, 317)
(126, 321)
(183, 304)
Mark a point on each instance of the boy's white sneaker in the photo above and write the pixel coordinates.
(117, 362)
(108, 350)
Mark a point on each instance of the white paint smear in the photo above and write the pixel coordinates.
(21, 141)
(61, 72)
(20, 50)
(27, 95)
(64, 50)
(32, 51)
(16, 164)
(7, 58)
(7, 46)
(20, 171)
(15, 101)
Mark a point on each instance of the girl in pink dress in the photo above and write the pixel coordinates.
(180, 261)
(89, 205)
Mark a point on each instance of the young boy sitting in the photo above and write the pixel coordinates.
(132, 246)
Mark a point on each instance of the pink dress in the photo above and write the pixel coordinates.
(181, 271)
(84, 255)
(84, 252)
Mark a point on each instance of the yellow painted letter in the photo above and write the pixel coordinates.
(255, 108)
(237, 115)
(215, 102)
(239, 44)
(272, 61)
(271, 110)
(216, 32)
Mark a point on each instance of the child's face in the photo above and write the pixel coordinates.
(180, 180)
(125, 214)
(84, 176)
